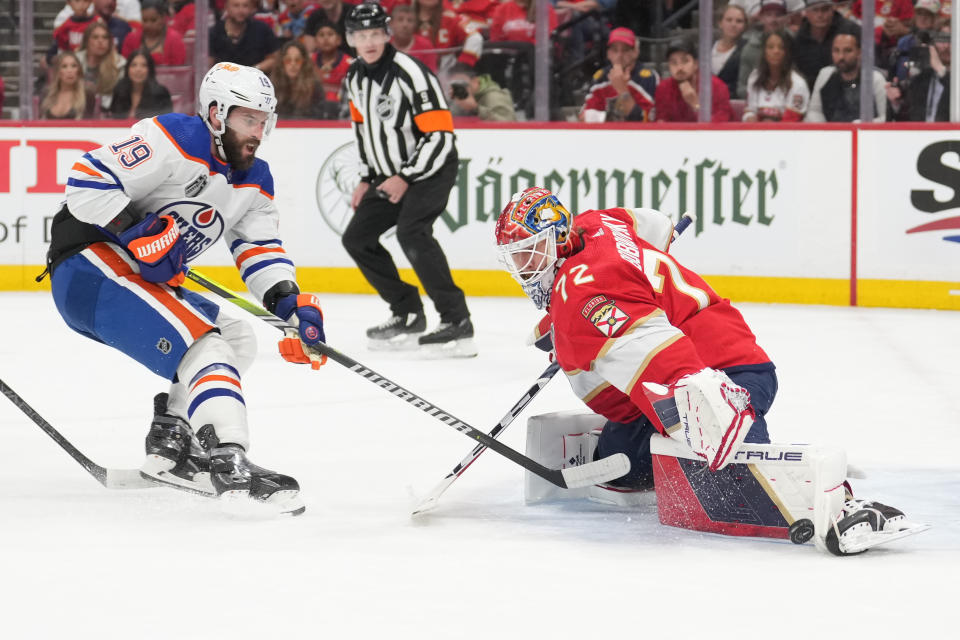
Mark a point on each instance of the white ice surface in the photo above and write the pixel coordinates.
(79, 561)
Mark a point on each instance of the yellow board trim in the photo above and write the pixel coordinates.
(830, 291)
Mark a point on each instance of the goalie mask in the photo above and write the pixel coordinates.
(534, 233)
(229, 85)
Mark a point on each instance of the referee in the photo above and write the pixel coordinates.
(408, 162)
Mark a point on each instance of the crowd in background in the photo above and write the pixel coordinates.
(771, 60)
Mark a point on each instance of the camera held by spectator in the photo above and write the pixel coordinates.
(479, 95)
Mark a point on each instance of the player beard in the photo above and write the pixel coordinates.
(236, 150)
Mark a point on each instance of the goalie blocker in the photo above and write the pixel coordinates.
(795, 492)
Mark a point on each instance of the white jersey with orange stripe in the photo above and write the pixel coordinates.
(165, 166)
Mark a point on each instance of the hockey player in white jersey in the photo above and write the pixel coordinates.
(137, 212)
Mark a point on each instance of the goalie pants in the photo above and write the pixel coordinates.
(413, 217)
(633, 438)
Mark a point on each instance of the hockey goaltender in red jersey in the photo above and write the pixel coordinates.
(646, 343)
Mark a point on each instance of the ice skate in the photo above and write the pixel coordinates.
(174, 455)
(863, 524)
(449, 340)
(399, 333)
(234, 476)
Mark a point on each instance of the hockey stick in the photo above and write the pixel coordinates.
(582, 476)
(110, 478)
(430, 501)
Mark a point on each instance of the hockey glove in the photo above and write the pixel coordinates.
(304, 311)
(156, 245)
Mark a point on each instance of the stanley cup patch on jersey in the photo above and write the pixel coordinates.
(605, 315)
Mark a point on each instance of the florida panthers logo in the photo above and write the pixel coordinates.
(200, 224)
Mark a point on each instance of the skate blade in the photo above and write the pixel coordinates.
(403, 342)
(284, 503)
(463, 348)
(869, 540)
(202, 487)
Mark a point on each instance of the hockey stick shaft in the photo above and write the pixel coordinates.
(585, 475)
(109, 478)
(430, 500)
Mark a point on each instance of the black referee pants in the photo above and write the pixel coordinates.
(413, 216)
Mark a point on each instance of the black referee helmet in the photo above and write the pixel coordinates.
(368, 15)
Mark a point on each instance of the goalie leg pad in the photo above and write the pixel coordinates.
(769, 490)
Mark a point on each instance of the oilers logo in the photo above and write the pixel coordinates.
(200, 224)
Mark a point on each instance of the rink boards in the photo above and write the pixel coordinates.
(834, 214)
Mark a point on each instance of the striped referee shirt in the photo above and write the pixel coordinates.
(400, 118)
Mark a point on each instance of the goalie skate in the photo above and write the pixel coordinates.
(175, 457)
(863, 524)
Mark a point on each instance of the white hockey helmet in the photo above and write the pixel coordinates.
(231, 85)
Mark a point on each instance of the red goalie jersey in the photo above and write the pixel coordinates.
(625, 312)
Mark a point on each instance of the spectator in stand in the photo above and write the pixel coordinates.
(893, 19)
(293, 19)
(300, 93)
(836, 93)
(106, 10)
(813, 45)
(676, 99)
(622, 91)
(335, 11)
(68, 97)
(768, 16)
(69, 35)
(926, 97)
(474, 15)
(184, 17)
(478, 95)
(268, 13)
(775, 91)
(102, 65)
(238, 38)
(514, 20)
(443, 30)
(404, 36)
(925, 14)
(138, 94)
(587, 28)
(331, 62)
(126, 10)
(725, 56)
(164, 43)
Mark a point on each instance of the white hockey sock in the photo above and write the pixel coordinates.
(211, 381)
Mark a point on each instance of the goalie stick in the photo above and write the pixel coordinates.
(430, 501)
(581, 476)
(109, 478)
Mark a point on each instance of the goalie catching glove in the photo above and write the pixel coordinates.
(157, 247)
(713, 414)
(302, 310)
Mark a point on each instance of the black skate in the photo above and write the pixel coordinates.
(174, 455)
(863, 524)
(233, 475)
(450, 340)
(398, 333)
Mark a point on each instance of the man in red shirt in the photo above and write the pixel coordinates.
(677, 100)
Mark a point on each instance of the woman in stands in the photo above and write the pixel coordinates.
(138, 95)
(725, 55)
(68, 97)
(775, 91)
(300, 94)
(164, 43)
(102, 64)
